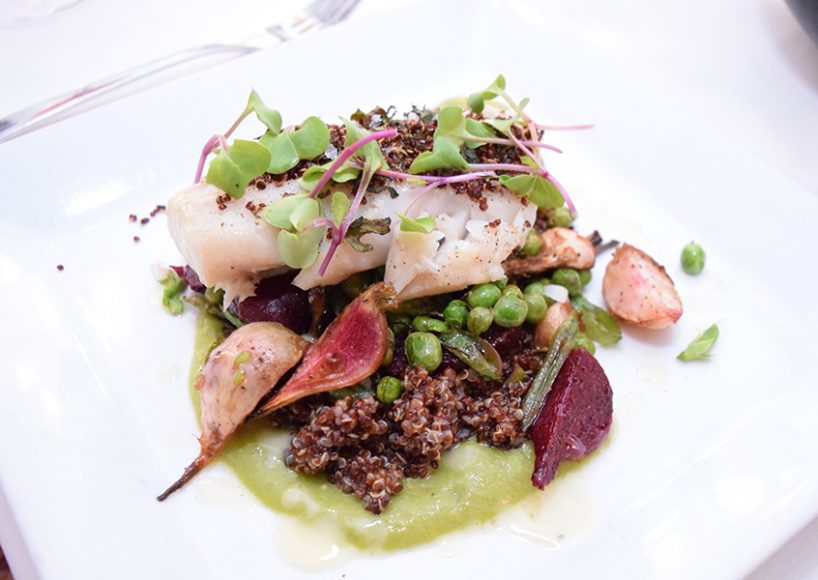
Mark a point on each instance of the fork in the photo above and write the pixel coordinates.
(318, 14)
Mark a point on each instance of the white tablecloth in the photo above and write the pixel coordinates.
(744, 65)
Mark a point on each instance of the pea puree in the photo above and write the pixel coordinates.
(472, 485)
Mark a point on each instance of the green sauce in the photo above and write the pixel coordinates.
(472, 485)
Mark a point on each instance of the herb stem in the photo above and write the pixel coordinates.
(236, 123)
(346, 154)
(339, 233)
(212, 143)
(514, 140)
(439, 181)
(564, 127)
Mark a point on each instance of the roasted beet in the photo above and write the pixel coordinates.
(507, 341)
(277, 300)
(576, 417)
(190, 276)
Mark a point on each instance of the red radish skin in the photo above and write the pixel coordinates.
(576, 417)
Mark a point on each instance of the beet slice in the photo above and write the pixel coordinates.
(350, 350)
(277, 300)
(576, 417)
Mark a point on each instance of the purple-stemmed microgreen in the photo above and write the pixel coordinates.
(299, 235)
(213, 143)
(438, 181)
(364, 145)
(270, 118)
(348, 152)
(421, 225)
(477, 100)
(289, 147)
(237, 165)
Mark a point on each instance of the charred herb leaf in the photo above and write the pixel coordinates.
(362, 226)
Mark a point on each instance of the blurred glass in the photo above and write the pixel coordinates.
(20, 12)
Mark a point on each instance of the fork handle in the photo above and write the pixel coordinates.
(105, 90)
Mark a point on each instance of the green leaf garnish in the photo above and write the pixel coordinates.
(278, 213)
(313, 175)
(339, 206)
(477, 101)
(445, 154)
(287, 149)
(269, 117)
(536, 188)
(300, 250)
(477, 129)
(371, 152)
(304, 213)
(423, 225)
(699, 349)
(362, 226)
(599, 325)
(233, 169)
(172, 288)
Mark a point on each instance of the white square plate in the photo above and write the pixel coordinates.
(709, 468)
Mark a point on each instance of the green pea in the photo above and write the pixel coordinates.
(389, 390)
(535, 287)
(514, 290)
(533, 244)
(456, 312)
(485, 295)
(501, 283)
(585, 277)
(560, 217)
(479, 320)
(423, 349)
(693, 258)
(583, 341)
(510, 310)
(536, 307)
(569, 279)
(429, 324)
